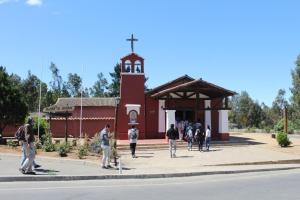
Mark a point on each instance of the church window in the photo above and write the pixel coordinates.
(137, 66)
(128, 66)
(133, 116)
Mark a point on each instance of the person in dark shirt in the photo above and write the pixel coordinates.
(172, 135)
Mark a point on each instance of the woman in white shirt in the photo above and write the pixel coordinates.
(207, 137)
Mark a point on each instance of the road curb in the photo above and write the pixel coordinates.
(134, 176)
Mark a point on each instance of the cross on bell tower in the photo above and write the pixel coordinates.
(132, 39)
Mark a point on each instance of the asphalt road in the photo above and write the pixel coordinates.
(267, 185)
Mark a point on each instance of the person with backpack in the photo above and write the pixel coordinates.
(199, 136)
(132, 137)
(26, 136)
(104, 137)
(189, 137)
(172, 135)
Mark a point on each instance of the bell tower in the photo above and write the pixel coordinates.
(132, 96)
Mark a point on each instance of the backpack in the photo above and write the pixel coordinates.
(133, 134)
(20, 134)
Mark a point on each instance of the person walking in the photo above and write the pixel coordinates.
(189, 137)
(104, 137)
(172, 135)
(200, 136)
(132, 137)
(28, 147)
(207, 137)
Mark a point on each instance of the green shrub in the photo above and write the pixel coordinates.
(12, 143)
(43, 124)
(62, 150)
(74, 143)
(95, 145)
(48, 146)
(38, 145)
(82, 151)
(280, 126)
(67, 146)
(283, 139)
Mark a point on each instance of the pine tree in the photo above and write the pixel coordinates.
(295, 90)
(114, 87)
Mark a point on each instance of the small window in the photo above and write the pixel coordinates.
(133, 116)
(128, 66)
(137, 66)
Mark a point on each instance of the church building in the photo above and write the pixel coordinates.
(152, 112)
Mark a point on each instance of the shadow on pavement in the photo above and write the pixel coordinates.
(144, 157)
(46, 171)
(245, 140)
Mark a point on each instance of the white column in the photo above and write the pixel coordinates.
(170, 118)
(223, 121)
(207, 114)
(161, 116)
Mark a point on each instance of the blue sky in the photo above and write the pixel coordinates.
(240, 45)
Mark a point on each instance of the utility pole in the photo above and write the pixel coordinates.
(285, 120)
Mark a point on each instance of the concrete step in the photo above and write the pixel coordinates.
(179, 145)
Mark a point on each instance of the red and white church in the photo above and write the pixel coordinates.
(152, 112)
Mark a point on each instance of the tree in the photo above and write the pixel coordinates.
(245, 112)
(278, 105)
(56, 84)
(267, 121)
(30, 88)
(114, 87)
(245, 103)
(13, 109)
(233, 113)
(74, 85)
(99, 88)
(295, 90)
(255, 115)
(59, 88)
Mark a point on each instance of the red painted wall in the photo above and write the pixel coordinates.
(10, 130)
(94, 119)
(152, 119)
(89, 127)
(131, 92)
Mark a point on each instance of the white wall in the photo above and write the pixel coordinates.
(223, 121)
(161, 117)
(170, 118)
(207, 113)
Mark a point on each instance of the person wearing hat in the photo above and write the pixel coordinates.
(28, 148)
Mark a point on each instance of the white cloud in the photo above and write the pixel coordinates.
(34, 2)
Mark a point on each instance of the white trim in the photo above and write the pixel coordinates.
(134, 73)
(130, 107)
(207, 113)
(161, 116)
(223, 121)
(170, 118)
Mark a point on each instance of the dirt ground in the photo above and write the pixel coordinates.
(266, 141)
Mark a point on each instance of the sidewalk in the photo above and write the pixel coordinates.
(157, 163)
